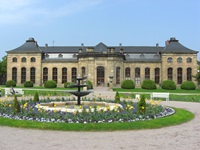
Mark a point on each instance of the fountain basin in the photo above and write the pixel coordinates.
(71, 106)
(82, 93)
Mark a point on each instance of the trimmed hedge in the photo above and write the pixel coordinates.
(128, 84)
(10, 83)
(28, 84)
(89, 84)
(188, 85)
(168, 85)
(50, 84)
(148, 84)
(66, 84)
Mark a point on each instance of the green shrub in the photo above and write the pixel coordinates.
(168, 85)
(36, 97)
(66, 84)
(16, 105)
(89, 84)
(50, 84)
(128, 84)
(28, 84)
(148, 84)
(10, 83)
(188, 85)
(117, 98)
(142, 104)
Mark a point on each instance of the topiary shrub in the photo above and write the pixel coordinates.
(128, 84)
(36, 97)
(148, 84)
(10, 83)
(16, 105)
(117, 98)
(66, 84)
(50, 84)
(142, 104)
(89, 84)
(188, 85)
(28, 84)
(168, 85)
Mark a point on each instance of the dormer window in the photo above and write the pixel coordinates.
(142, 56)
(46, 55)
(60, 56)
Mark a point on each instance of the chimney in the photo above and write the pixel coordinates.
(157, 45)
(166, 42)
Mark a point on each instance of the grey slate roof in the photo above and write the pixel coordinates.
(175, 47)
(29, 46)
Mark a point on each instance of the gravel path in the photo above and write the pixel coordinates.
(181, 137)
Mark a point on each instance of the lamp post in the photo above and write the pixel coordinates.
(111, 83)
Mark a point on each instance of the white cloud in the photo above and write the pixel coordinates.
(22, 11)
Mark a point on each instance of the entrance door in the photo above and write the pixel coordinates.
(100, 76)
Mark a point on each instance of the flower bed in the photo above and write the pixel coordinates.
(129, 112)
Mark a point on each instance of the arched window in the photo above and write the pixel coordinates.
(179, 75)
(60, 56)
(55, 74)
(23, 59)
(83, 71)
(137, 75)
(32, 59)
(189, 60)
(64, 75)
(118, 75)
(23, 75)
(45, 74)
(14, 59)
(157, 75)
(189, 74)
(32, 74)
(147, 73)
(179, 60)
(170, 73)
(127, 72)
(169, 60)
(14, 74)
(74, 74)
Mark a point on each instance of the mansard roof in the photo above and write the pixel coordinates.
(173, 46)
(30, 46)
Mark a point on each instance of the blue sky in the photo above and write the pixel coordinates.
(72, 22)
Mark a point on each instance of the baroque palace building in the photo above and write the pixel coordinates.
(64, 63)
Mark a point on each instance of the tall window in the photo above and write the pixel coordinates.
(45, 74)
(170, 73)
(137, 75)
(23, 59)
(179, 60)
(189, 74)
(23, 75)
(169, 60)
(54, 74)
(14, 74)
(127, 72)
(189, 60)
(74, 74)
(14, 59)
(147, 73)
(32, 59)
(179, 75)
(83, 71)
(32, 74)
(157, 75)
(118, 75)
(64, 75)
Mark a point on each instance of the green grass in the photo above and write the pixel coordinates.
(181, 116)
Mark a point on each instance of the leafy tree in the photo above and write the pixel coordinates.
(197, 76)
(3, 65)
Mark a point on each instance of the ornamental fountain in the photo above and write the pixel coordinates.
(79, 93)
